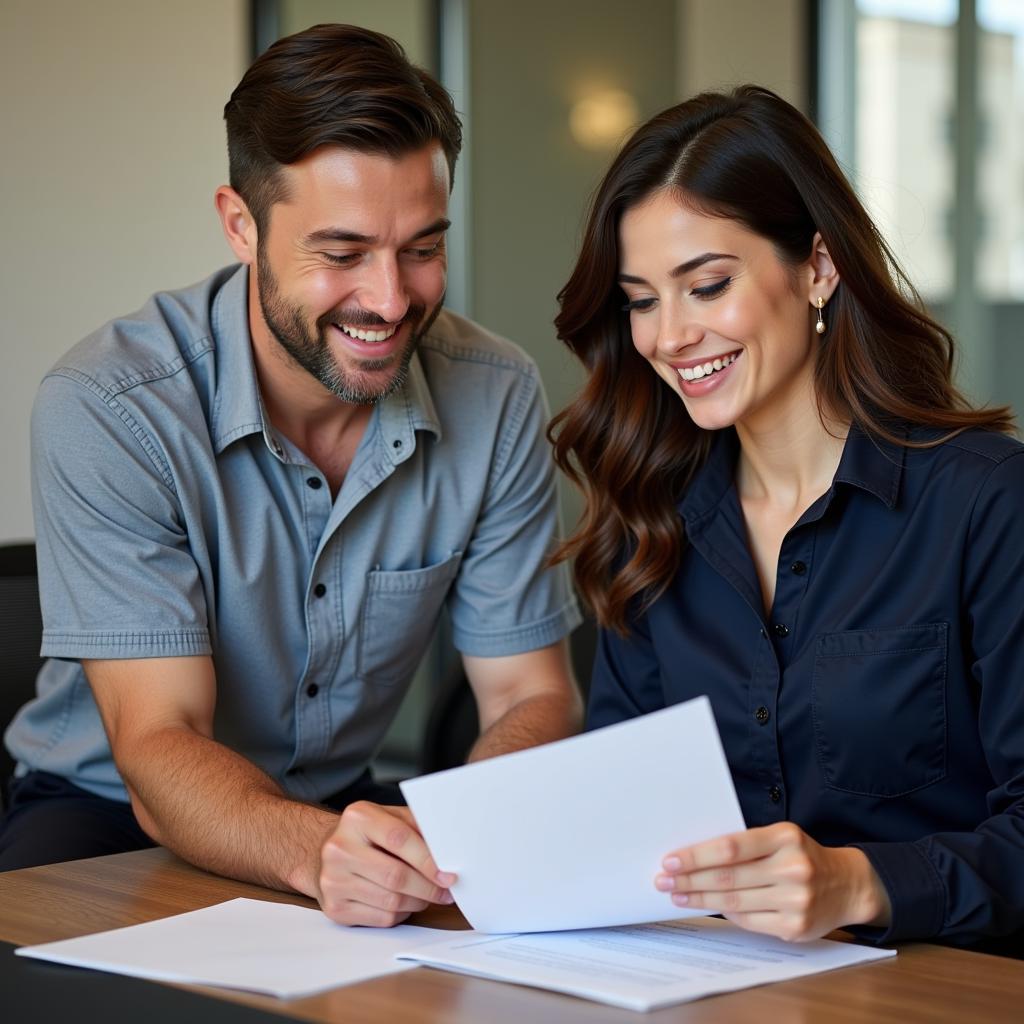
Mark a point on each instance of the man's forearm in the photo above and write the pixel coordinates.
(218, 811)
(531, 722)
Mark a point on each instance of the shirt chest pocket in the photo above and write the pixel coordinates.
(878, 700)
(398, 618)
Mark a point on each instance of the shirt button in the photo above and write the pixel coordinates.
(775, 794)
(314, 482)
(396, 444)
(312, 690)
(780, 629)
(763, 633)
(319, 590)
(798, 568)
(762, 714)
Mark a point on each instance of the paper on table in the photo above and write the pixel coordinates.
(571, 835)
(255, 945)
(642, 967)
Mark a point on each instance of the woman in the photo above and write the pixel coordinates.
(790, 508)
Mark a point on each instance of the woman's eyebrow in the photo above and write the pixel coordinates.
(683, 268)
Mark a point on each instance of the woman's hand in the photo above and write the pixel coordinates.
(777, 880)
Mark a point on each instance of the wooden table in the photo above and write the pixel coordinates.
(923, 983)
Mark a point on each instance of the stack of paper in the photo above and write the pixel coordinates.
(562, 839)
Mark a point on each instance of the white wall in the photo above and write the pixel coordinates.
(731, 42)
(113, 144)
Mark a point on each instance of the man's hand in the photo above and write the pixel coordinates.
(777, 880)
(376, 870)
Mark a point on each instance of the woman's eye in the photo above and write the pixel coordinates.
(638, 305)
(709, 291)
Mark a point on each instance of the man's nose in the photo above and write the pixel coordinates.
(383, 291)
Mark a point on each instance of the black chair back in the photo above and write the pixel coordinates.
(21, 632)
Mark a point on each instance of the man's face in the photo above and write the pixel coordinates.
(351, 267)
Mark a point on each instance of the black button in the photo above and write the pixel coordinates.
(775, 794)
(798, 568)
(319, 590)
(780, 629)
(396, 444)
(762, 714)
(314, 482)
(312, 690)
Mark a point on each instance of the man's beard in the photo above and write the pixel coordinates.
(312, 352)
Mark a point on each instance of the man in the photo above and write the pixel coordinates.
(253, 497)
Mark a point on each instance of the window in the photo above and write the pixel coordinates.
(922, 101)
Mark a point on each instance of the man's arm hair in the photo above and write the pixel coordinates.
(192, 794)
(524, 699)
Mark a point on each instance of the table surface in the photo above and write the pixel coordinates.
(924, 982)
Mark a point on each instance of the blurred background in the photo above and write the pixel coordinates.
(111, 119)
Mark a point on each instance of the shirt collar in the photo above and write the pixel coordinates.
(872, 464)
(238, 407)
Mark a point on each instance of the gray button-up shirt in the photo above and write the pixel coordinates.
(172, 520)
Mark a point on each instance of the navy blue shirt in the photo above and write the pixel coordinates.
(881, 703)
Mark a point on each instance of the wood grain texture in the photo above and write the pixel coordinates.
(923, 983)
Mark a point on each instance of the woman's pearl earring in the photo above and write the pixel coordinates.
(820, 325)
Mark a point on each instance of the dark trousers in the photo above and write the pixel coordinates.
(49, 820)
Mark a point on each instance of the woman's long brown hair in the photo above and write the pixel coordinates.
(627, 440)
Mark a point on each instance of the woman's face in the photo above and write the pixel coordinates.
(718, 315)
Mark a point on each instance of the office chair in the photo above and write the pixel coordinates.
(453, 725)
(21, 631)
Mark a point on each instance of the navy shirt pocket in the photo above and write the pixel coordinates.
(399, 617)
(878, 700)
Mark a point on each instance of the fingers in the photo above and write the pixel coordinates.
(735, 848)
(392, 874)
(745, 901)
(393, 829)
(741, 876)
(775, 880)
(373, 906)
(376, 869)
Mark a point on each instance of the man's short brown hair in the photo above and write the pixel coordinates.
(331, 85)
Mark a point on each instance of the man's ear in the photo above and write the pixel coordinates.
(238, 224)
(822, 276)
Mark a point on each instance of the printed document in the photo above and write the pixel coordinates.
(642, 967)
(571, 834)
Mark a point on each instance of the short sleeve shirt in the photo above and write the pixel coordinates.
(880, 701)
(173, 520)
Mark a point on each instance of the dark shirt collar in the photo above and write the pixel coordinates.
(873, 465)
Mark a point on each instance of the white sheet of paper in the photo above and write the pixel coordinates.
(256, 945)
(642, 967)
(571, 834)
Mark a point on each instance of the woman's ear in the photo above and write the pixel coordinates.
(822, 276)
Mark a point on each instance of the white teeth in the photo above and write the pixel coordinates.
(355, 332)
(706, 369)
